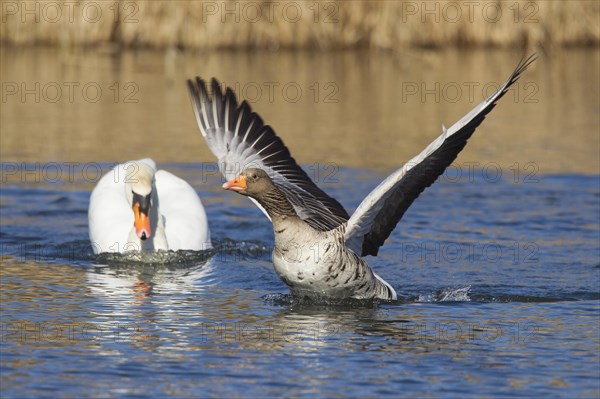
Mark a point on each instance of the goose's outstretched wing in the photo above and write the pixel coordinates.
(382, 209)
(239, 139)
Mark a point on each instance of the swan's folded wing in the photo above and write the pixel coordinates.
(382, 209)
(185, 221)
(239, 139)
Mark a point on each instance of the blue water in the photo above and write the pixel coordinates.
(499, 283)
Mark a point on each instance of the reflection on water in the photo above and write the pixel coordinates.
(208, 341)
(371, 109)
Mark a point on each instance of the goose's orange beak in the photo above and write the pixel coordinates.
(237, 184)
(141, 223)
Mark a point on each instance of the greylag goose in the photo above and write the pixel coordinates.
(134, 207)
(318, 246)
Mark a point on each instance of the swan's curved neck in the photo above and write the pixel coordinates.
(141, 181)
(158, 237)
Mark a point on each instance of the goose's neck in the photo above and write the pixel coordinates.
(277, 205)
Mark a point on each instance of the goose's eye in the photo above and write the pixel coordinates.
(254, 176)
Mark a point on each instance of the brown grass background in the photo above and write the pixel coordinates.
(386, 25)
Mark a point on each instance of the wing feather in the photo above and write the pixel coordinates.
(379, 213)
(239, 139)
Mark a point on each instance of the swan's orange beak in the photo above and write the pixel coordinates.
(237, 184)
(142, 222)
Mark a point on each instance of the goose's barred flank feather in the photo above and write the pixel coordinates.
(239, 139)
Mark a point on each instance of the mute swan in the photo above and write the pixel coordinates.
(318, 246)
(134, 207)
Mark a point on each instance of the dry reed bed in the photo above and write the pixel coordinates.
(301, 24)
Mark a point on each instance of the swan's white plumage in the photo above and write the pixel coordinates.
(186, 225)
(177, 216)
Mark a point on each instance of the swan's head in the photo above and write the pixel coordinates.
(252, 182)
(138, 186)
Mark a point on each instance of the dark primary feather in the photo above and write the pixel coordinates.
(425, 173)
(239, 139)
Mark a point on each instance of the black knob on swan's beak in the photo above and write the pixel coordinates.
(143, 237)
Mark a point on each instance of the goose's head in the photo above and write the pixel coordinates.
(138, 189)
(252, 182)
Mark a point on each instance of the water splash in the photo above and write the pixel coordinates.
(295, 301)
(171, 258)
(447, 295)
